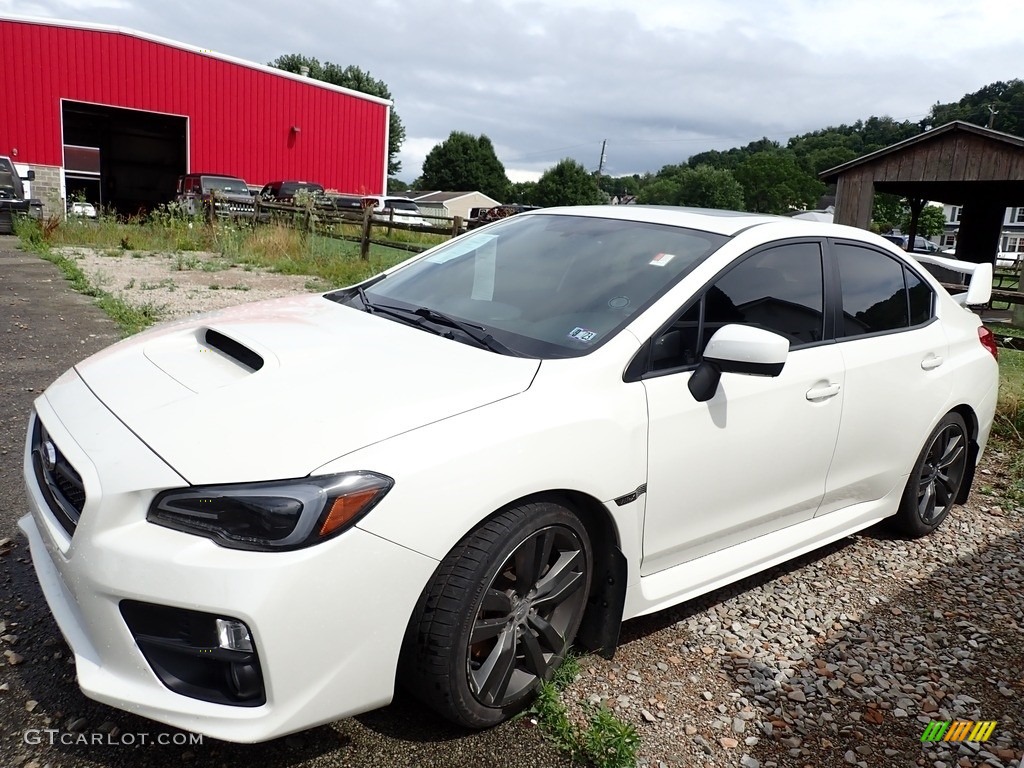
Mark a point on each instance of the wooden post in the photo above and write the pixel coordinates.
(391, 220)
(255, 210)
(211, 209)
(364, 245)
(456, 226)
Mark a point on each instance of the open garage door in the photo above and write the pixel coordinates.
(141, 154)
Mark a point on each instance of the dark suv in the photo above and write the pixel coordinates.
(228, 194)
(285, 191)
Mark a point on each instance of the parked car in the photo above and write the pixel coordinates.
(921, 244)
(339, 202)
(285, 191)
(503, 446)
(1009, 260)
(401, 210)
(229, 195)
(481, 216)
(82, 209)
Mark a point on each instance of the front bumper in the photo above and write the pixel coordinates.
(327, 621)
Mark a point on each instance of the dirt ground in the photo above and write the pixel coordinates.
(183, 283)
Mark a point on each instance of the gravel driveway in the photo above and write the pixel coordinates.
(839, 658)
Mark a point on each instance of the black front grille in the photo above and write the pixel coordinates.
(60, 483)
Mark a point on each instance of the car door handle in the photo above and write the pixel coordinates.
(931, 362)
(823, 392)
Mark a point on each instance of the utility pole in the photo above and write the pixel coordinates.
(992, 112)
(600, 163)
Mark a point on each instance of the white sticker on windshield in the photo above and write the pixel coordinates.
(461, 248)
(662, 259)
(582, 334)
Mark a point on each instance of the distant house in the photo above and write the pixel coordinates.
(451, 204)
(1011, 238)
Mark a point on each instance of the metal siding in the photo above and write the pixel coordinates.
(239, 118)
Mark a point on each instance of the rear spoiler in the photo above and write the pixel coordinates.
(979, 289)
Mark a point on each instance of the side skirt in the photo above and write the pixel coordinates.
(694, 578)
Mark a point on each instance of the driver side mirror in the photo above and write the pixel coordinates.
(30, 176)
(739, 349)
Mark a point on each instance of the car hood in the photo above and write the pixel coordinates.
(273, 390)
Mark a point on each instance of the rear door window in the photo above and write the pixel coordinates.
(879, 293)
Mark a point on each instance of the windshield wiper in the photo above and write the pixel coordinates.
(417, 317)
(476, 332)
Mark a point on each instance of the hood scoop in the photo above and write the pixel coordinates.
(203, 358)
(235, 350)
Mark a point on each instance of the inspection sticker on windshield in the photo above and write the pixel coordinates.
(662, 259)
(582, 334)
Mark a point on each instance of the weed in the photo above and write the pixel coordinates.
(130, 319)
(130, 284)
(605, 742)
(214, 287)
(183, 262)
(239, 287)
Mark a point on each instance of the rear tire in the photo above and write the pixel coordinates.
(935, 481)
(499, 614)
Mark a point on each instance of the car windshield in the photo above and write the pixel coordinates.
(292, 188)
(545, 285)
(402, 205)
(225, 184)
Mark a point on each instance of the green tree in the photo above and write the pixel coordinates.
(523, 193)
(708, 187)
(888, 212)
(1004, 99)
(356, 79)
(395, 186)
(465, 163)
(659, 191)
(931, 222)
(619, 185)
(568, 183)
(773, 182)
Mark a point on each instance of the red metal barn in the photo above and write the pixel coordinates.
(118, 115)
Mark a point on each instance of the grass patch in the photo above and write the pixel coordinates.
(130, 319)
(604, 741)
(277, 247)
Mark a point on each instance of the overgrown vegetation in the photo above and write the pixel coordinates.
(131, 319)
(603, 741)
(279, 248)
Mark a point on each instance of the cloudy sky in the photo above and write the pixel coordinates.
(659, 79)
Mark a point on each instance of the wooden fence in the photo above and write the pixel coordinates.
(362, 225)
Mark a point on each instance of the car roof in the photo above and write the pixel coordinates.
(705, 219)
(727, 223)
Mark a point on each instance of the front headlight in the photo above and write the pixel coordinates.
(271, 517)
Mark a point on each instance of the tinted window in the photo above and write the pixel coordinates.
(874, 293)
(779, 289)
(921, 298)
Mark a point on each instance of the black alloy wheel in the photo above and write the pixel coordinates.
(500, 614)
(935, 482)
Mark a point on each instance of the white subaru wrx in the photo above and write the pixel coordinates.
(262, 519)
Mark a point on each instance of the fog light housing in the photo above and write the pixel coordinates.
(200, 655)
(233, 635)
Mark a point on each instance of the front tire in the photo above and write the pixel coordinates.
(935, 481)
(499, 614)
